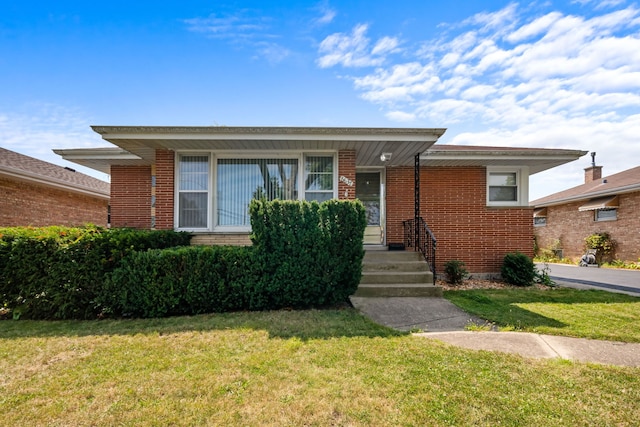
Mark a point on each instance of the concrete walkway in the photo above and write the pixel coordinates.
(445, 322)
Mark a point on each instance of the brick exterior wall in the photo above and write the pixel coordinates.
(347, 169)
(570, 226)
(164, 189)
(131, 196)
(24, 204)
(453, 202)
(219, 239)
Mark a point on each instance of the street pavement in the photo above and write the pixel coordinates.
(439, 319)
(608, 279)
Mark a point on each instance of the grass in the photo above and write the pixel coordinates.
(557, 311)
(331, 367)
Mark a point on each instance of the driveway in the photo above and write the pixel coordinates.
(608, 279)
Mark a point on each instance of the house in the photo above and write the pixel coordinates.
(608, 204)
(37, 193)
(201, 179)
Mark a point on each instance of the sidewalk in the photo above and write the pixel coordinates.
(445, 322)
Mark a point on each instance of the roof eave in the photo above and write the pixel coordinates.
(589, 195)
(536, 160)
(25, 176)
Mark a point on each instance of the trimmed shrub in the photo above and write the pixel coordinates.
(305, 254)
(518, 269)
(455, 271)
(180, 281)
(56, 272)
(310, 253)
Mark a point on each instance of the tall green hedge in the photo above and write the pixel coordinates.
(304, 254)
(57, 272)
(179, 281)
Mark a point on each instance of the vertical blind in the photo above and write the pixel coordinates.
(240, 180)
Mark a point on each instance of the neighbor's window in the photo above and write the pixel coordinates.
(540, 221)
(240, 180)
(318, 178)
(193, 191)
(609, 214)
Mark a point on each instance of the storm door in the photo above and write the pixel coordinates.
(369, 190)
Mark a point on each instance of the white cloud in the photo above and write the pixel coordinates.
(511, 79)
(600, 4)
(401, 116)
(353, 50)
(273, 52)
(47, 127)
(384, 45)
(246, 28)
(327, 13)
(238, 26)
(534, 28)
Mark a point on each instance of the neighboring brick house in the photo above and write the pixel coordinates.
(201, 179)
(37, 193)
(608, 204)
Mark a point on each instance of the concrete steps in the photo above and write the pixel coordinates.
(396, 274)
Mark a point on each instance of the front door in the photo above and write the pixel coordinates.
(369, 190)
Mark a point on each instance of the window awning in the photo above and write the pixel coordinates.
(540, 213)
(600, 203)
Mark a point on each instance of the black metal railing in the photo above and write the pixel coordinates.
(421, 238)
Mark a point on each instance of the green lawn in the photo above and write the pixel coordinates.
(292, 368)
(556, 311)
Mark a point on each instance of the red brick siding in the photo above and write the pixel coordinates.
(131, 196)
(165, 172)
(570, 226)
(453, 202)
(347, 168)
(24, 204)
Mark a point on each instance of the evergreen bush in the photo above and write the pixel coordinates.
(518, 269)
(56, 272)
(304, 254)
(455, 271)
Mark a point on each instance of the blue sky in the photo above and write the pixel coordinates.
(547, 74)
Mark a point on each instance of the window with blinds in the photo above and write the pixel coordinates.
(240, 180)
(193, 191)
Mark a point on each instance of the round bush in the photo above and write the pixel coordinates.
(518, 269)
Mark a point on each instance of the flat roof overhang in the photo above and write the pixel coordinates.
(536, 159)
(369, 143)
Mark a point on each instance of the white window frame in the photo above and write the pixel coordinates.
(334, 183)
(176, 186)
(522, 186)
(214, 156)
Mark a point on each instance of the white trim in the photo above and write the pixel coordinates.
(176, 191)
(522, 182)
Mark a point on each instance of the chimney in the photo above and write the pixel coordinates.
(593, 172)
